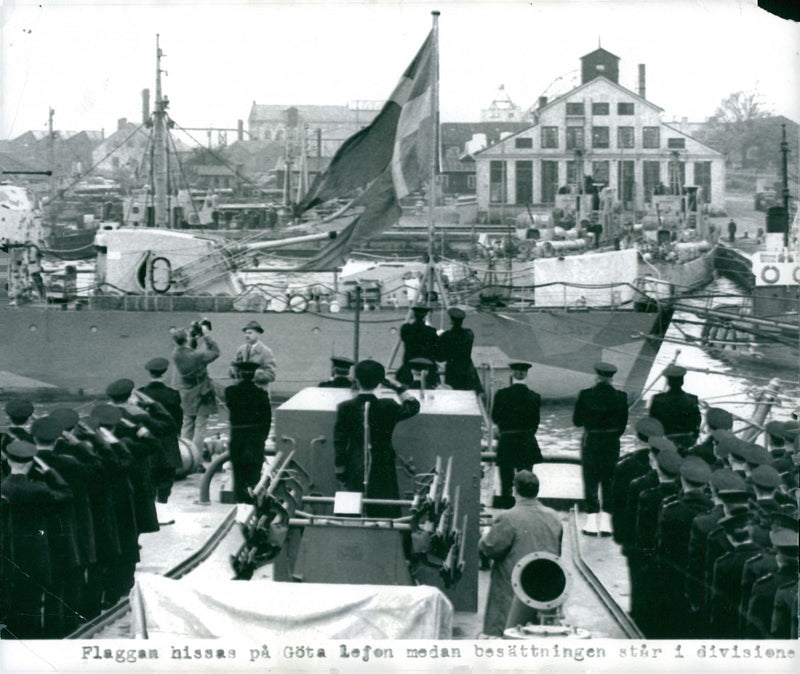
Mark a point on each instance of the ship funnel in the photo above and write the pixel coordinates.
(541, 584)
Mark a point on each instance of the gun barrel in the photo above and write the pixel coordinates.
(290, 241)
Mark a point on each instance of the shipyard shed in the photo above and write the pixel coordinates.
(599, 129)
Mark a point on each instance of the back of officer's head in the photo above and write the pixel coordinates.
(369, 373)
(527, 484)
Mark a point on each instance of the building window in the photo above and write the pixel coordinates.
(549, 181)
(497, 182)
(651, 173)
(676, 143)
(600, 172)
(625, 108)
(524, 172)
(572, 172)
(599, 109)
(523, 143)
(651, 137)
(445, 181)
(549, 137)
(471, 182)
(574, 137)
(624, 136)
(600, 137)
(575, 109)
(267, 134)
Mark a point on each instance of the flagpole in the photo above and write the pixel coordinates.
(434, 150)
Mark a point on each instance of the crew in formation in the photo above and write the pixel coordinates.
(710, 532)
(708, 525)
(77, 492)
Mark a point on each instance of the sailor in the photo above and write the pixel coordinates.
(732, 231)
(18, 411)
(783, 622)
(354, 449)
(419, 341)
(791, 435)
(638, 570)
(516, 411)
(719, 544)
(198, 397)
(628, 468)
(727, 576)
(672, 547)
(92, 517)
(255, 351)
(170, 459)
(140, 433)
(250, 417)
(455, 350)
(340, 374)
(678, 411)
(667, 467)
(29, 494)
(781, 458)
(603, 413)
(722, 480)
(716, 418)
(119, 568)
(758, 583)
(525, 528)
(69, 567)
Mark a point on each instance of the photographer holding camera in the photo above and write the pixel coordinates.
(194, 350)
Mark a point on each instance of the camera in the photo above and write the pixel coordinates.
(196, 328)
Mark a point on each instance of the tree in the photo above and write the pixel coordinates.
(734, 128)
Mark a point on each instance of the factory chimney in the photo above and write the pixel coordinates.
(641, 89)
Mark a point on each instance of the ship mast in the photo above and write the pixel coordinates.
(785, 185)
(160, 148)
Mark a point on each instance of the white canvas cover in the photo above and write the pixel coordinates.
(258, 610)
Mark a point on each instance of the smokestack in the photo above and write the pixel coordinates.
(240, 130)
(121, 123)
(145, 106)
(641, 90)
(542, 101)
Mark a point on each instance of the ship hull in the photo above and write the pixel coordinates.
(81, 351)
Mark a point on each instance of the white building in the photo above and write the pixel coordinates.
(598, 129)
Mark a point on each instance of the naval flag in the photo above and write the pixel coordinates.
(388, 159)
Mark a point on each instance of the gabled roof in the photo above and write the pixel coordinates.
(599, 50)
(594, 81)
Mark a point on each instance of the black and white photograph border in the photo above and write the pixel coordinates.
(243, 190)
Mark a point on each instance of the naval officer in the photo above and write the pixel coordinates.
(602, 411)
(677, 410)
(455, 350)
(419, 341)
(365, 438)
(516, 411)
(340, 374)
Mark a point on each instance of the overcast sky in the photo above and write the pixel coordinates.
(90, 59)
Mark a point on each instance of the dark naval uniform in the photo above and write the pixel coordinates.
(603, 413)
(672, 549)
(420, 341)
(647, 591)
(250, 418)
(516, 413)
(678, 411)
(758, 618)
(455, 350)
(169, 460)
(784, 612)
(628, 468)
(339, 378)
(348, 440)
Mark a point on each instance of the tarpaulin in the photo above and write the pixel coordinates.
(264, 609)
